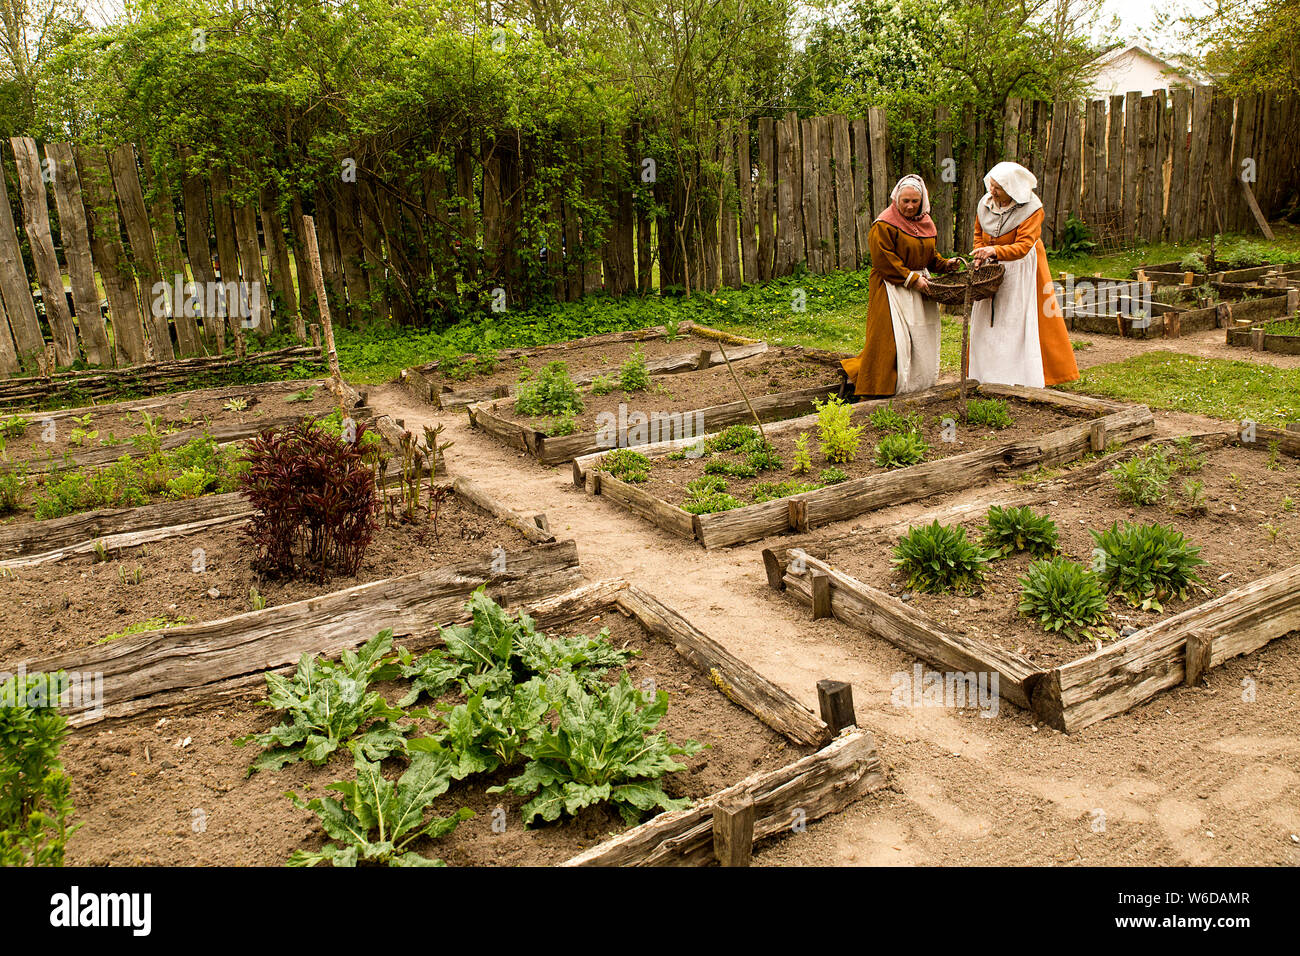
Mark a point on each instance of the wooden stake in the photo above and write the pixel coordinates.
(733, 830)
(965, 335)
(1292, 301)
(821, 592)
(1197, 657)
(1097, 437)
(835, 699)
(1255, 211)
(318, 285)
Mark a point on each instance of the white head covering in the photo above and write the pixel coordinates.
(913, 181)
(1018, 183)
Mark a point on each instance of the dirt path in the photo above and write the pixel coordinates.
(1193, 777)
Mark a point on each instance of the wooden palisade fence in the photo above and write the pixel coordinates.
(794, 193)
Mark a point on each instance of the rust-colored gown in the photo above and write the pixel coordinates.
(874, 371)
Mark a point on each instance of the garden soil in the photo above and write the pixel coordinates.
(1204, 776)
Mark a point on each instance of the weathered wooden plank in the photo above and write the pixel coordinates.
(826, 194)
(1115, 161)
(1180, 159)
(881, 615)
(8, 351)
(969, 188)
(737, 681)
(277, 254)
(531, 528)
(141, 666)
(1123, 675)
(1011, 129)
(749, 523)
(845, 218)
(162, 216)
(1094, 159)
(821, 783)
(260, 318)
(863, 215)
(75, 236)
(36, 223)
(730, 201)
(1197, 210)
(750, 207)
(1132, 163)
(881, 185)
(1051, 179)
(144, 254)
(812, 220)
(765, 195)
(198, 248)
(108, 253)
(223, 229)
(16, 288)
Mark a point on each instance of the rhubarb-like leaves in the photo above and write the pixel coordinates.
(376, 820)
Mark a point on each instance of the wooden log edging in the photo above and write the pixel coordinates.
(554, 450)
(1123, 675)
(138, 668)
(819, 784)
(881, 615)
(811, 509)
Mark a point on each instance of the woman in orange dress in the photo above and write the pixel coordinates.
(1018, 337)
(901, 352)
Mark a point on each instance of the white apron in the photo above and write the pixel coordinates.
(916, 338)
(1007, 351)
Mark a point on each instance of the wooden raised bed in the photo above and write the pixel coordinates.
(179, 671)
(1107, 422)
(697, 351)
(556, 449)
(1261, 336)
(1076, 694)
(1172, 273)
(1167, 320)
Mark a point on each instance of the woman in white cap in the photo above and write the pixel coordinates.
(1018, 337)
(901, 351)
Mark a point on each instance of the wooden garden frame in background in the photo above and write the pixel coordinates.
(1077, 694)
(420, 381)
(1110, 422)
(557, 449)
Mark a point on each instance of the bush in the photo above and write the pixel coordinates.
(1008, 530)
(833, 476)
(633, 377)
(603, 384)
(734, 438)
(939, 558)
(561, 425)
(838, 439)
(708, 494)
(1192, 262)
(12, 485)
(900, 449)
(1146, 564)
(315, 498)
(35, 807)
(989, 413)
(627, 465)
(1143, 479)
(553, 393)
(1066, 598)
(888, 420)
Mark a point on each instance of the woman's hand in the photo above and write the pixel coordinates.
(920, 284)
(952, 265)
(984, 253)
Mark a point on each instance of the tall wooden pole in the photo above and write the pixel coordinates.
(318, 284)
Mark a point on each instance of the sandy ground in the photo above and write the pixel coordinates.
(1195, 776)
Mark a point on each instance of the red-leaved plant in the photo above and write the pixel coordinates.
(315, 500)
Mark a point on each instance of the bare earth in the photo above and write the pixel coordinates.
(1205, 776)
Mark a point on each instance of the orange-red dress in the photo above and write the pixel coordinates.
(1053, 338)
(894, 256)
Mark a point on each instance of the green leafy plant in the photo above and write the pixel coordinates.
(769, 491)
(15, 426)
(376, 821)
(603, 384)
(988, 413)
(733, 438)
(1274, 457)
(1192, 262)
(938, 558)
(35, 803)
(802, 459)
(255, 600)
(1193, 497)
(1075, 239)
(627, 465)
(306, 395)
(1009, 530)
(900, 449)
(1143, 479)
(708, 494)
(79, 436)
(1147, 563)
(763, 457)
(561, 425)
(191, 483)
(13, 484)
(236, 405)
(603, 747)
(1066, 598)
(887, 419)
(633, 376)
(327, 704)
(553, 393)
(833, 476)
(838, 439)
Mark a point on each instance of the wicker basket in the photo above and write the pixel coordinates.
(951, 289)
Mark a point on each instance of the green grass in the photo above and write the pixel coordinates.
(1228, 390)
(151, 624)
